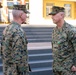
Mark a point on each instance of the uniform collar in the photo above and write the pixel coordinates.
(15, 23)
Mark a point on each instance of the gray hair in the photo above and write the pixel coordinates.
(16, 13)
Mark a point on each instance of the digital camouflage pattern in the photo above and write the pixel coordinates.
(56, 9)
(64, 49)
(14, 50)
(20, 7)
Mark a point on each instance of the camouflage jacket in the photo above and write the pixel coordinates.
(14, 46)
(64, 47)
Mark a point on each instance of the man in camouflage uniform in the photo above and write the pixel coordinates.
(14, 45)
(63, 44)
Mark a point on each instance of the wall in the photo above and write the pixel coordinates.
(75, 10)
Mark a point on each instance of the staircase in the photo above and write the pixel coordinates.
(39, 50)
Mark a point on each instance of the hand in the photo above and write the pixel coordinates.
(73, 68)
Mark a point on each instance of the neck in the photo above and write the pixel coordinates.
(60, 24)
(18, 21)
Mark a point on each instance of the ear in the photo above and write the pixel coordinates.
(20, 14)
(62, 14)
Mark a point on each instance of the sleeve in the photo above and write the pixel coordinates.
(20, 54)
(52, 41)
(6, 47)
(19, 46)
(72, 36)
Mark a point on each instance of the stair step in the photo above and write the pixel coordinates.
(38, 37)
(39, 40)
(41, 69)
(0, 60)
(39, 30)
(41, 65)
(1, 67)
(1, 73)
(44, 72)
(46, 54)
(39, 57)
(37, 48)
(41, 61)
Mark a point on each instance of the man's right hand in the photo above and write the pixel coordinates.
(73, 68)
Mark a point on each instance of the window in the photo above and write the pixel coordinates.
(49, 8)
(10, 3)
(27, 6)
(67, 10)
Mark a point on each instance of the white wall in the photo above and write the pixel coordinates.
(36, 13)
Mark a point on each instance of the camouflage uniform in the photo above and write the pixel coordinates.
(64, 49)
(14, 50)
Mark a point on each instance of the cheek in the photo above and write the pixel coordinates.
(24, 17)
(58, 17)
(55, 18)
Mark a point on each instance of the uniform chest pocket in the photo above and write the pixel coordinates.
(63, 45)
(62, 39)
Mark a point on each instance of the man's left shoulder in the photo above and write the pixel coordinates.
(70, 27)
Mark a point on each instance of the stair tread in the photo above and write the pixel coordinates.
(40, 61)
(41, 69)
(44, 54)
(1, 73)
(42, 47)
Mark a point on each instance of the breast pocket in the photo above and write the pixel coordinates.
(62, 41)
(62, 38)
